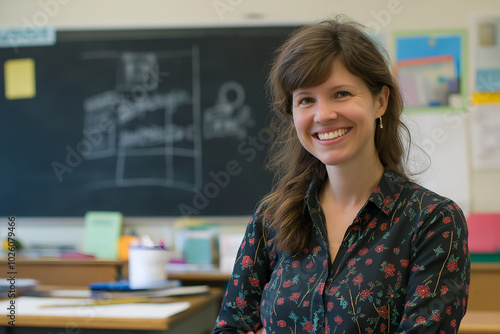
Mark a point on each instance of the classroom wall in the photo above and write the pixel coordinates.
(386, 16)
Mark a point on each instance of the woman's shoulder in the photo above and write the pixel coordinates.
(427, 199)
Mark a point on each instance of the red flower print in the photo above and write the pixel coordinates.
(287, 284)
(320, 288)
(235, 282)
(358, 279)
(240, 302)
(295, 264)
(254, 281)
(365, 294)
(453, 323)
(368, 262)
(305, 251)
(243, 244)
(383, 311)
(452, 266)
(383, 227)
(436, 317)
(308, 327)
(376, 190)
(446, 220)
(382, 328)
(363, 251)
(279, 272)
(421, 320)
(388, 201)
(247, 261)
(310, 265)
(423, 291)
(338, 320)
(251, 241)
(306, 303)
(329, 306)
(415, 267)
(372, 224)
(429, 208)
(351, 262)
(396, 220)
(444, 289)
(334, 290)
(404, 263)
(326, 330)
(351, 248)
(429, 234)
(446, 235)
(282, 323)
(448, 310)
(389, 270)
(222, 324)
(280, 301)
(295, 296)
(312, 279)
(379, 248)
(316, 249)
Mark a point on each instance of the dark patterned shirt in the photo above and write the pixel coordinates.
(403, 267)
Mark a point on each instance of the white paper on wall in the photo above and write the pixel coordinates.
(485, 137)
(439, 151)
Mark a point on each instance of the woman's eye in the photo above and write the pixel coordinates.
(306, 100)
(343, 94)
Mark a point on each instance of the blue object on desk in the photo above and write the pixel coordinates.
(123, 285)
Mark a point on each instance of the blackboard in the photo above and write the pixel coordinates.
(167, 122)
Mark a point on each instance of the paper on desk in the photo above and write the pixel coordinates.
(31, 306)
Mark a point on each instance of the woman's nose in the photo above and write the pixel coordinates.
(325, 111)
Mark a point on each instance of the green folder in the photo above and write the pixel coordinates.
(102, 231)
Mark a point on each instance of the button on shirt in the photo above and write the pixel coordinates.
(403, 267)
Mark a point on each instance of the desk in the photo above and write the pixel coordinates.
(480, 322)
(198, 319)
(484, 291)
(54, 271)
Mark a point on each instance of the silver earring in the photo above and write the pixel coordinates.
(381, 124)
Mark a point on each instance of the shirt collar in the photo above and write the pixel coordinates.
(384, 196)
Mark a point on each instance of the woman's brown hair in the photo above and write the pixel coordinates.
(305, 60)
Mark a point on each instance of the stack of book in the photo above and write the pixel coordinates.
(121, 289)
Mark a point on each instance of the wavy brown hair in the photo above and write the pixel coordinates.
(305, 60)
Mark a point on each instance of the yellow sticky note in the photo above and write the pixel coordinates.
(19, 78)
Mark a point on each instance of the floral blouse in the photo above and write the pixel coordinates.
(403, 267)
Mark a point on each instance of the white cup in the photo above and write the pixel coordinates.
(146, 267)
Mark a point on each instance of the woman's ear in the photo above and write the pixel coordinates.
(381, 100)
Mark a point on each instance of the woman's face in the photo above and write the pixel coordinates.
(335, 121)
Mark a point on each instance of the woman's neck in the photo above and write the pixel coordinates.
(350, 186)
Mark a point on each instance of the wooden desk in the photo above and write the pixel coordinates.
(480, 322)
(198, 319)
(484, 291)
(54, 271)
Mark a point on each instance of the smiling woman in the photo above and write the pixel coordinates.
(345, 242)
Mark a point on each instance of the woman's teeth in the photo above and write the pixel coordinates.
(332, 135)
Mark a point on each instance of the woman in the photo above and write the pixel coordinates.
(345, 243)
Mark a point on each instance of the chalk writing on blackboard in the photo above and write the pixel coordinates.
(230, 116)
(155, 121)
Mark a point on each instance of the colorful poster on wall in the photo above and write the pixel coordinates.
(485, 34)
(430, 69)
